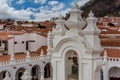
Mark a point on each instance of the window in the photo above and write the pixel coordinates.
(31, 40)
(26, 45)
(22, 42)
(15, 42)
(0, 43)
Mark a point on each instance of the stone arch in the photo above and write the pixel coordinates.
(114, 73)
(2, 74)
(35, 72)
(48, 71)
(19, 73)
(67, 45)
(79, 55)
(70, 43)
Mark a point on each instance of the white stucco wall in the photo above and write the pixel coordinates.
(11, 46)
(1, 27)
(31, 45)
(19, 47)
(2, 46)
(38, 41)
(35, 41)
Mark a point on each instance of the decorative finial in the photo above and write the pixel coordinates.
(28, 53)
(12, 59)
(105, 54)
(49, 33)
(75, 5)
(91, 14)
(28, 58)
(42, 52)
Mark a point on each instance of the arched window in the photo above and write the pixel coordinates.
(35, 72)
(48, 71)
(19, 73)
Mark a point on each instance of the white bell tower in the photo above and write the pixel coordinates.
(76, 49)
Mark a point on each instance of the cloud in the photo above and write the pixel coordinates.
(47, 15)
(82, 2)
(9, 12)
(51, 9)
(20, 1)
(58, 7)
(53, 2)
(40, 1)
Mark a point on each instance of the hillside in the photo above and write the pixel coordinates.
(102, 8)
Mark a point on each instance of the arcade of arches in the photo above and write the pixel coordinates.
(2, 75)
(35, 72)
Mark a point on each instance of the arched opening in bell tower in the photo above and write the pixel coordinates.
(71, 65)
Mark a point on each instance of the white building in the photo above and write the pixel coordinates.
(74, 53)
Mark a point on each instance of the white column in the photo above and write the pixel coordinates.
(28, 58)
(42, 73)
(12, 59)
(105, 70)
(54, 70)
(42, 77)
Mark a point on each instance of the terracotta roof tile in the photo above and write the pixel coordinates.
(112, 52)
(44, 48)
(4, 58)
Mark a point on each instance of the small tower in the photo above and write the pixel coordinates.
(60, 26)
(84, 42)
(91, 32)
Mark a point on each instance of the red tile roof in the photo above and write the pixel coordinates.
(4, 58)
(44, 48)
(112, 53)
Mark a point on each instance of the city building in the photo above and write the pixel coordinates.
(75, 49)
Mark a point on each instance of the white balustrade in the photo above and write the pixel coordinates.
(112, 59)
(20, 61)
(23, 60)
(36, 58)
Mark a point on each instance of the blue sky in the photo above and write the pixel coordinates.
(37, 10)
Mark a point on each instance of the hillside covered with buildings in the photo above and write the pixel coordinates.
(102, 8)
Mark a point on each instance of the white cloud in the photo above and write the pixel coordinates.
(9, 12)
(40, 1)
(58, 7)
(53, 2)
(20, 1)
(53, 9)
(49, 14)
(82, 2)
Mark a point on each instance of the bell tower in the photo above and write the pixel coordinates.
(75, 50)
